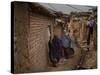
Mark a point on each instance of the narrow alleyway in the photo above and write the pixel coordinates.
(44, 37)
(85, 59)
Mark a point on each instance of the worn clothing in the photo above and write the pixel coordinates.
(57, 47)
(68, 46)
(91, 24)
(67, 42)
(55, 50)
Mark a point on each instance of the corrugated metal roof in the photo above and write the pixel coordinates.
(65, 8)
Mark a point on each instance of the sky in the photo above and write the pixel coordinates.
(65, 8)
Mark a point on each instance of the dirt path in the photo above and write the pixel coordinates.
(89, 61)
(69, 63)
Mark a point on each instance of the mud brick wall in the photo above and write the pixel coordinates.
(21, 52)
(30, 40)
(38, 42)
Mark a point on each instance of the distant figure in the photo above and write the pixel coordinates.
(91, 24)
